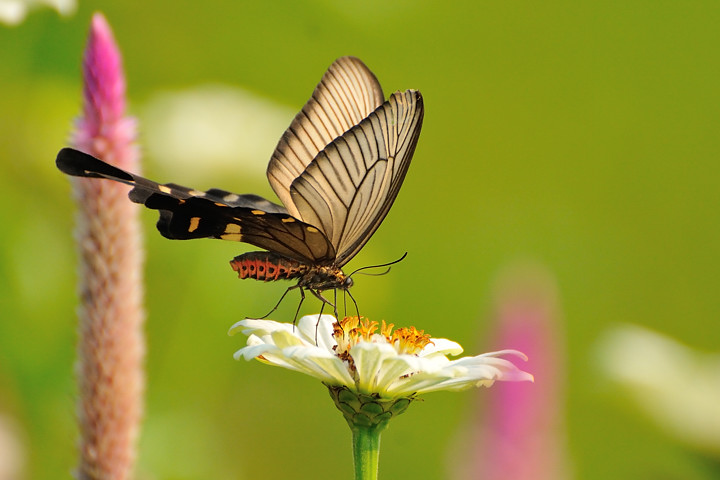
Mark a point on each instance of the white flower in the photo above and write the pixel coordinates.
(12, 12)
(677, 386)
(389, 364)
(225, 126)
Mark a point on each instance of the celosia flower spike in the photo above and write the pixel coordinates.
(111, 343)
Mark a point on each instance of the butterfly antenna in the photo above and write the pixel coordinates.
(376, 274)
(379, 266)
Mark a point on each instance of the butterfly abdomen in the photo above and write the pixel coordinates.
(267, 266)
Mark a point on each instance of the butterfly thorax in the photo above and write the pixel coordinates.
(269, 267)
(325, 277)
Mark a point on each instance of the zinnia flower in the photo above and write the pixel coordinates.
(366, 359)
(372, 372)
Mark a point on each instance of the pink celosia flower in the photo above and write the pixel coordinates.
(518, 431)
(111, 344)
(103, 130)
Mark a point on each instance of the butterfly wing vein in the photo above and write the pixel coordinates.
(350, 186)
(337, 169)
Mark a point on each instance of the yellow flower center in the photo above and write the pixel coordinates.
(351, 330)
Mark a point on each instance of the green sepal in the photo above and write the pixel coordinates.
(367, 410)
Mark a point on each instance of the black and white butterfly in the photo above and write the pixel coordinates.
(337, 170)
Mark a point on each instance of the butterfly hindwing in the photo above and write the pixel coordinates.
(198, 217)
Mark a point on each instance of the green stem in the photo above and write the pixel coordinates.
(366, 451)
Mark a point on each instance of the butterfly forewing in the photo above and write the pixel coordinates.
(347, 93)
(79, 164)
(186, 214)
(350, 186)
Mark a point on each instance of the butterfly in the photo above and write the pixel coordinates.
(337, 170)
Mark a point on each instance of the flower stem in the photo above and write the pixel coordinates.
(366, 451)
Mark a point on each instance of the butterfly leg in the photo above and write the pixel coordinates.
(281, 299)
(324, 300)
(335, 299)
(318, 321)
(302, 299)
(357, 310)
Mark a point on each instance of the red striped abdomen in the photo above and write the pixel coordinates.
(267, 266)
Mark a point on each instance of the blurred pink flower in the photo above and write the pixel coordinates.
(518, 428)
(103, 130)
(111, 343)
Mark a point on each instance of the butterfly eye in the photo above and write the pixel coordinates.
(348, 283)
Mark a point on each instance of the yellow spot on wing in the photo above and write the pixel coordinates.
(196, 193)
(233, 237)
(232, 228)
(194, 222)
(258, 212)
(288, 220)
(312, 229)
(165, 189)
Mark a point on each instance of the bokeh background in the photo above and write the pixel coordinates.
(580, 137)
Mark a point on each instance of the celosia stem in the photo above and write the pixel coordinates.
(366, 451)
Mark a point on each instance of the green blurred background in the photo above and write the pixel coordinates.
(580, 135)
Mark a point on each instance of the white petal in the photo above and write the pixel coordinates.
(317, 330)
(252, 351)
(441, 346)
(325, 338)
(501, 353)
(268, 354)
(259, 327)
(439, 373)
(432, 364)
(416, 383)
(285, 339)
(306, 363)
(313, 362)
(393, 370)
(320, 364)
(369, 358)
(488, 365)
